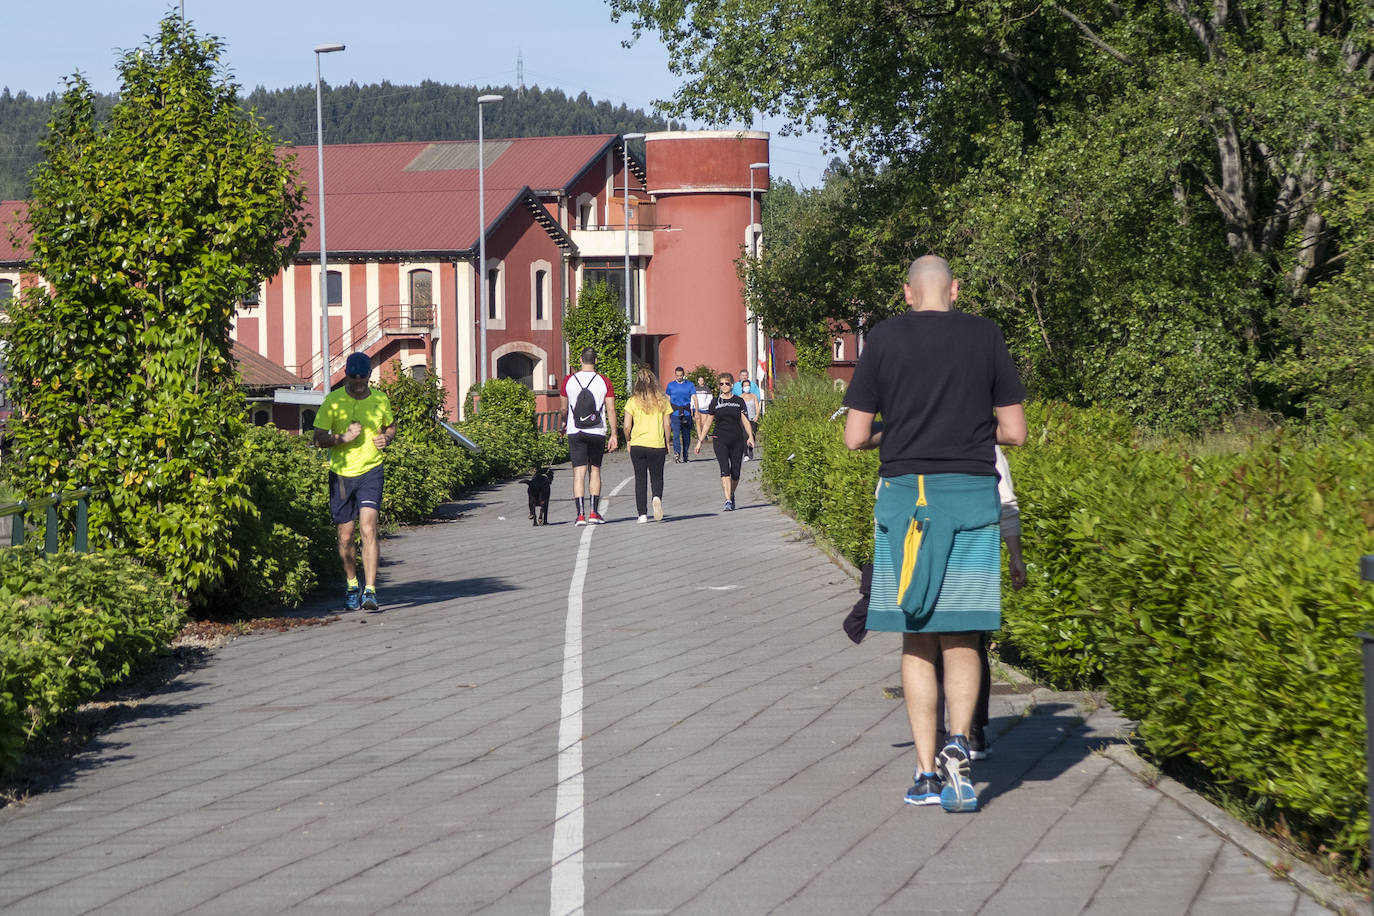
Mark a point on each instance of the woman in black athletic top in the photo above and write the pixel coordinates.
(733, 435)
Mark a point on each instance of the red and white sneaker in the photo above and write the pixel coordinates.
(595, 519)
(581, 520)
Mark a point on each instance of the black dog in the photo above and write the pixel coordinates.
(541, 485)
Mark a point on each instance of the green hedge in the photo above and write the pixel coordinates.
(70, 625)
(1217, 597)
(1214, 594)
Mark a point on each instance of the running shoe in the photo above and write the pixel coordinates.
(926, 791)
(370, 599)
(958, 794)
(658, 509)
(352, 598)
(977, 743)
(729, 505)
(595, 519)
(641, 520)
(581, 520)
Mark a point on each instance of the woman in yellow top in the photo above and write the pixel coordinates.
(647, 430)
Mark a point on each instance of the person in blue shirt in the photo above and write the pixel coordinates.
(680, 393)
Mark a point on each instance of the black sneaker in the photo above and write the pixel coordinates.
(977, 743)
(958, 794)
(926, 791)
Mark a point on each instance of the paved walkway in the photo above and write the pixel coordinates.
(631, 719)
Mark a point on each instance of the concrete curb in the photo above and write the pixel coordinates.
(1312, 882)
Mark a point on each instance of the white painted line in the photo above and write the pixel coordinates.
(567, 885)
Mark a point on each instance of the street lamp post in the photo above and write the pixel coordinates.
(319, 194)
(629, 294)
(482, 228)
(752, 323)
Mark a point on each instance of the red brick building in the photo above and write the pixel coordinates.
(403, 240)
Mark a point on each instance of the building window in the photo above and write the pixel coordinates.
(260, 418)
(614, 277)
(6, 294)
(307, 420)
(586, 211)
(334, 285)
(419, 372)
(250, 298)
(541, 295)
(540, 278)
(496, 293)
(839, 348)
(516, 366)
(421, 297)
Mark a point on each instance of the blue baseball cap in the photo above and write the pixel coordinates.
(358, 364)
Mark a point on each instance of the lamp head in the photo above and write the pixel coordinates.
(327, 49)
(484, 99)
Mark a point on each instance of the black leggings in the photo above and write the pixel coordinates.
(730, 456)
(648, 465)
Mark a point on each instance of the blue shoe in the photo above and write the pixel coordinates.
(926, 791)
(352, 598)
(953, 763)
(370, 599)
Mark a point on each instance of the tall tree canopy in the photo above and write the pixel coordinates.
(1154, 198)
(148, 228)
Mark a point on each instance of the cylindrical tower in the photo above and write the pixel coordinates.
(700, 181)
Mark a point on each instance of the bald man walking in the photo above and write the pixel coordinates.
(947, 391)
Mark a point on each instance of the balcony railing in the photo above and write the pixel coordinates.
(389, 320)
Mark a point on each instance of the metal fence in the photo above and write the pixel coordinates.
(15, 517)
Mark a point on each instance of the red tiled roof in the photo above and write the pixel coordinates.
(415, 196)
(257, 371)
(12, 213)
(423, 196)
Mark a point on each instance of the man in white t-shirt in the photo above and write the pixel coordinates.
(590, 428)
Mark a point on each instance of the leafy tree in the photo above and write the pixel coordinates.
(598, 320)
(1156, 200)
(148, 228)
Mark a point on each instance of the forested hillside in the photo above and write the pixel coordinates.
(357, 114)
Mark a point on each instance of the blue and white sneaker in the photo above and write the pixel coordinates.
(370, 599)
(926, 791)
(352, 598)
(958, 794)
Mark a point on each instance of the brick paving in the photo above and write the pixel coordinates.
(738, 753)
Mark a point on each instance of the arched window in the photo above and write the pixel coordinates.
(541, 295)
(586, 211)
(421, 297)
(308, 421)
(496, 293)
(260, 418)
(839, 348)
(517, 366)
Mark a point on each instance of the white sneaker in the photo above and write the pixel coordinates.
(658, 509)
(641, 520)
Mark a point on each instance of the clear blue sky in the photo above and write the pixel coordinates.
(570, 45)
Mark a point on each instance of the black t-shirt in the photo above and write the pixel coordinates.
(935, 378)
(727, 412)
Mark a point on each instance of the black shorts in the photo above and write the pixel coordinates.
(349, 495)
(730, 456)
(586, 449)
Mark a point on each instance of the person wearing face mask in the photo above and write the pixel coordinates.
(355, 423)
(751, 410)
